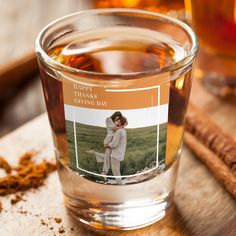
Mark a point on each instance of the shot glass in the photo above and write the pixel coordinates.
(215, 24)
(116, 84)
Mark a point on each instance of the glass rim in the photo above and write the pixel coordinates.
(43, 55)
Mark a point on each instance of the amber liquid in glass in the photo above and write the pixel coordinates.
(215, 24)
(118, 52)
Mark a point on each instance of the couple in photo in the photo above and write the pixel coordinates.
(115, 144)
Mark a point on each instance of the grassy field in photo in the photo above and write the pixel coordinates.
(140, 149)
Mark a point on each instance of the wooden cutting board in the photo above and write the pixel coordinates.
(201, 206)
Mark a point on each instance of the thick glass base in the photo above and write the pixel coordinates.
(118, 207)
(118, 216)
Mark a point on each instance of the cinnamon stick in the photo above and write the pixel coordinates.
(220, 170)
(212, 136)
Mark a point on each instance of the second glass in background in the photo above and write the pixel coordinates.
(215, 24)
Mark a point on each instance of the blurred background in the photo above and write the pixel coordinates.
(20, 22)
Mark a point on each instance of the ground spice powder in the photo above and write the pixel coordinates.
(61, 230)
(28, 174)
(16, 199)
(57, 220)
(4, 165)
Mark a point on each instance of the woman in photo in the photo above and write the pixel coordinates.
(111, 125)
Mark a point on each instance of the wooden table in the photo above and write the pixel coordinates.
(201, 206)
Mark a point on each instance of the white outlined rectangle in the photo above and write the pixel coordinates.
(150, 116)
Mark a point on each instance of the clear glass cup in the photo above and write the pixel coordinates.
(116, 84)
(215, 24)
